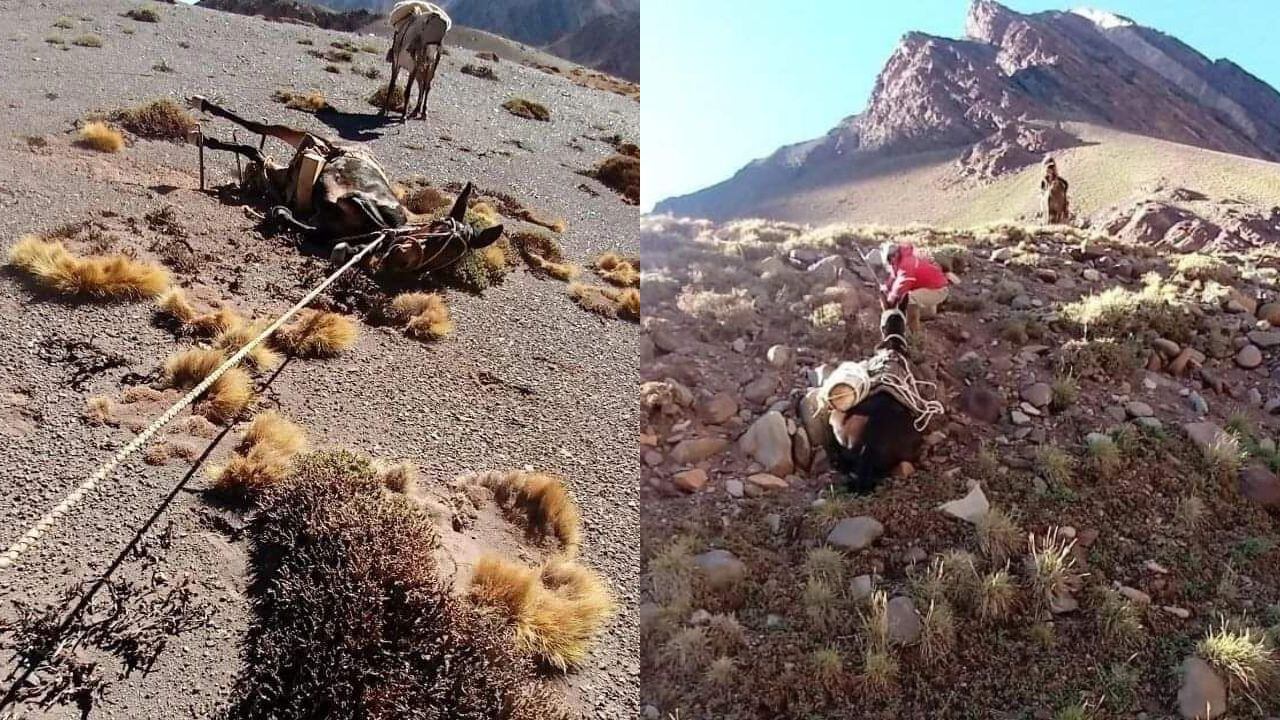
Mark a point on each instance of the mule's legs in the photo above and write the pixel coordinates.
(408, 95)
(432, 64)
(424, 86)
(247, 151)
(281, 132)
(391, 86)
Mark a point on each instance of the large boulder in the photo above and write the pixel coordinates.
(1202, 694)
(1260, 485)
(816, 418)
(1203, 434)
(768, 442)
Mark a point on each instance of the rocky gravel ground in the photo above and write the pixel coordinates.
(1112, 398)
(527, 378)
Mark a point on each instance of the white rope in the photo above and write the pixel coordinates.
(908, 388)
(45, 523)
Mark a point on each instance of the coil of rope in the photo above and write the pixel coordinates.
(48, 520)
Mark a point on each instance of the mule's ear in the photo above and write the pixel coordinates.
(486, 237)
(902, 302)
(459, 210)
(884, 300)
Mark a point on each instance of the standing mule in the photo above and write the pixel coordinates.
(419, 28)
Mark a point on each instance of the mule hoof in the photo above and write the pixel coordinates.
(340, 253)
(196, 102)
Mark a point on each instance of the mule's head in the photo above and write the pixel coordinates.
(440, 243)
(893, 322)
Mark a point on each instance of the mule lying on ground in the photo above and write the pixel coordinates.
(419, 28)
(875, 430)
(336, 193)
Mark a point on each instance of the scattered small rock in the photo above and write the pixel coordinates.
(1249, 357)
(855, 533)
(861, 587)
(904, 621)
(769, 444)
(694, 450)
(691, 481)
(721, 568)
(1038, 394)
(970, 508)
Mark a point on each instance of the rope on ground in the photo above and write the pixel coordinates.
(45, 523)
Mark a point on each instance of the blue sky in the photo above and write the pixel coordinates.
(724, 82)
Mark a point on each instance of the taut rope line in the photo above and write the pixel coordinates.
(44, 524)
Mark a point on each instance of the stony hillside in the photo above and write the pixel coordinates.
(995, 101)
(517, 374)
(599, 34)
(1093, 530)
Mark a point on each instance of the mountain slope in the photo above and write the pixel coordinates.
(997, 98)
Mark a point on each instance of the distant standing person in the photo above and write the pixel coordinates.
(919, 279)
(1054, 189)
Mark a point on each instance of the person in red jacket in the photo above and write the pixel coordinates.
(919, 279)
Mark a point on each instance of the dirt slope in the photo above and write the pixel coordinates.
(453, 406)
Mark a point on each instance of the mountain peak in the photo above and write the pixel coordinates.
(1104, 19)
(996, 98)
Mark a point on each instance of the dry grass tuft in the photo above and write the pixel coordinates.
(938, 632)
(1052, 567)
(311, 101)
(828, 668)
(1118, 618)
(1055, 465)
(821, 600)
(520, 107)
(879, 668)
(263, 459)
(426, 316)
(671, 571)
(425, 200)
(608, 302)
(271, 429)
(100, 136)
(161, 119)
(143, 14)
(262, 357)
(88, 40)
(721, 672)
(825, 563)
(687, 650)
(545, 502)
(317, 334)
(229, 395)
(1197, 266)
(621, 173)
(997, 595)
(402, 477)
(1066, 391)
(998, 535)
(98, 276)
(1119, 312)
(556, 610)
(618, 270)
(379, 97)
(1246, 655)
(725, 634)
(1104, 456)
(98, 410)
(1223, 457)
